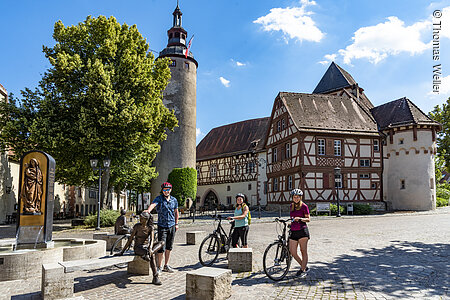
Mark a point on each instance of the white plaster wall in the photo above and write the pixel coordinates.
(415, 169)
(222, 193)
(262, 177)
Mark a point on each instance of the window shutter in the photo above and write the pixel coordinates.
(330, 147)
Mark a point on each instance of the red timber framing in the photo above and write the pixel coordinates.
(229, 169)
(311, 160)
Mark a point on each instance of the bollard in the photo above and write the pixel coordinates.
(259, 211)
(280, 211)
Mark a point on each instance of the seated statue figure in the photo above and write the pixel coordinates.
(144, 245)
(121, 227)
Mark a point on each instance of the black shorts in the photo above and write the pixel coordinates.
(167, 235)
(298, 234)
(239, 233)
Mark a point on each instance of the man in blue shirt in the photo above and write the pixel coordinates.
(167, 208)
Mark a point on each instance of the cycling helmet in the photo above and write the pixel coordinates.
(297, 192)
(240, 195)
(166, 185)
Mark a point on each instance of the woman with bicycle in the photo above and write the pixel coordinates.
(299, 236)
(241, 222)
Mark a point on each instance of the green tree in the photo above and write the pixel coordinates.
(101, 97)
(441, 114)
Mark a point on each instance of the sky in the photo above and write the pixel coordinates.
(249, 51)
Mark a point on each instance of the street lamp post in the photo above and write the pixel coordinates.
(95, 167)
(337, 180)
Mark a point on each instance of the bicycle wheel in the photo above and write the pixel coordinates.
(117, 246)
(276, 261)
(209, 250)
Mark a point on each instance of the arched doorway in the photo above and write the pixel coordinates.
(211, 201)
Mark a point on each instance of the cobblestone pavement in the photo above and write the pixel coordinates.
(392, 256)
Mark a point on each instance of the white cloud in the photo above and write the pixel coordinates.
(445, 85)
(294, 22)
(225, 82)
(328, 58)
(389, 38)
(445, 22)
(197, 132)
(239, 64)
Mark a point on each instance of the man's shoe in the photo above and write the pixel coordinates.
(156, 280)
(158, 270)
(168, 268)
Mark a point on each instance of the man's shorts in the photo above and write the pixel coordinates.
(298, 234)
(167, 235)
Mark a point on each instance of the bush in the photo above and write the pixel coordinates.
(442, 192)
(441, 202)
(333, 208)
(107, 218)
(362, 209)
(184, 184)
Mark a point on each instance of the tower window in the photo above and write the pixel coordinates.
(183, 36)
(186, 65)
(177, 34)
(402, 184)
(401, 141)
(173, 63)
(170, 35)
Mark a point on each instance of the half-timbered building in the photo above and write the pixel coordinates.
(231, 160)
(385, 153)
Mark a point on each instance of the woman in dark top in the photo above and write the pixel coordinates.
(299, 230)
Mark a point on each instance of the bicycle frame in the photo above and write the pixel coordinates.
(224, 238)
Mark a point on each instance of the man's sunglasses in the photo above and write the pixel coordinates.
(166, 190)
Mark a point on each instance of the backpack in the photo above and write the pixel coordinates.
(249, 215)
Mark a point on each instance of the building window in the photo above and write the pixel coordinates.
(402, 184)
(237, 169)
(283, 124)
(92, 194)
(288, 150)
(228, 200)
(274, 155)
(249, 186)
(376, 145)
(213, 171)
(275, 184)
(79, 192)
(374, 185)
(251, 167)
(364, 176)
(186, 65)
(289, 181)
(228, 188)
(198, 172)
(337, 148)
(173, 63)
(364, 162)
(321, 146)
(278, 126)
(265, 187)
(401, 141)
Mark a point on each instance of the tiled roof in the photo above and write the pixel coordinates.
(334, 78)
(236, 138)
(337, 114)
(400, 112)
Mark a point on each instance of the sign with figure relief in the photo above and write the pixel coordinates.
(36, 196)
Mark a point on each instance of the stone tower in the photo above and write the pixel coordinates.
(178, 151)
(409, 150)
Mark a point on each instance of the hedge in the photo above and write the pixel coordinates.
(107, 218)
(184, 184)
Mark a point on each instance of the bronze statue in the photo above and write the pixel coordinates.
(31, 195)
(121, 227)
(144, 245)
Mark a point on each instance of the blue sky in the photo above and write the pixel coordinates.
(248, 51)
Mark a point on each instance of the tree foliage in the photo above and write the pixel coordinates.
(441, 114)
(184, 184)
(101, 97)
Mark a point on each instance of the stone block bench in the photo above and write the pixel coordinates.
(58, 278)
(194, 237)
(208, 284)
(110, 239)
(240, 259)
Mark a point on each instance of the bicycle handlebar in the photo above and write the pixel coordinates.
(281, 220)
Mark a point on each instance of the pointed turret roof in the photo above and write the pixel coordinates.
(400, 112)
(334, 78)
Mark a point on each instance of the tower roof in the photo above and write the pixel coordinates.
(400, 112)
(334, 78)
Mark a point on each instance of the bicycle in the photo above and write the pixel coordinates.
(216, 242)
(117, 246)
(277, 258)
